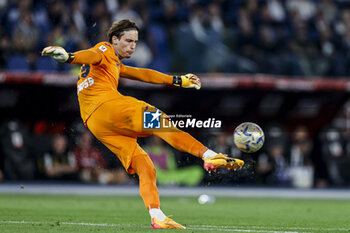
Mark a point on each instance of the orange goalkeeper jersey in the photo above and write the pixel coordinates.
(99, 76)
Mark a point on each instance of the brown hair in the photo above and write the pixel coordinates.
(118, 27)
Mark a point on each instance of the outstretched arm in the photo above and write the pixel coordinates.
(88, 56)
(152, 76)
(146, 75)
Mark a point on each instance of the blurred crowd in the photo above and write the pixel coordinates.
(48, 153)
(284, 37)
(294, 159)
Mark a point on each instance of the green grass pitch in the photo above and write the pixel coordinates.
(70, 213)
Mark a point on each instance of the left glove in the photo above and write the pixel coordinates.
(187, 81)
(58, 53)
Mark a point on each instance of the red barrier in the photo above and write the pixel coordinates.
(209, 81)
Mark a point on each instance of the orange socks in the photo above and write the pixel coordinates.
(146, 171)
(183, 142)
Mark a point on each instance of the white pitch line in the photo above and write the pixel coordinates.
(193, 227)
(239, 230)
(73, 223)
(99, 224)
(279, 228)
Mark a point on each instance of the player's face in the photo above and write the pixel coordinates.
(125, 46)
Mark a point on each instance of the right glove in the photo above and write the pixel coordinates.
(58, 53)
(187, 81)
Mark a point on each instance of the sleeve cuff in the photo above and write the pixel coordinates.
(177, 81)
(70, 58)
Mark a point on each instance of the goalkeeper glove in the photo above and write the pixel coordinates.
(58, 53)
(187, 81)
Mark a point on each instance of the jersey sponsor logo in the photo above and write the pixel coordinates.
(84, 70)
(85, 84)
(102, 48)
(151, 118)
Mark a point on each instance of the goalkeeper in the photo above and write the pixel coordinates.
(116, 120)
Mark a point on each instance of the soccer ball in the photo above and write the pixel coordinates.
(248, 137)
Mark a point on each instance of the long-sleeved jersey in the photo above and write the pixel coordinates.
(99, 77)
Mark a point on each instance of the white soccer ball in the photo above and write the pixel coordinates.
(248, 137)
(206, 199)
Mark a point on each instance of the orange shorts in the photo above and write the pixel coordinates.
(117, 124)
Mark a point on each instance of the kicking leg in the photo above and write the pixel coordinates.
(185, 142)
(182, 141)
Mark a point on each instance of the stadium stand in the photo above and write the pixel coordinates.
(269, 61)
(285, 37)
